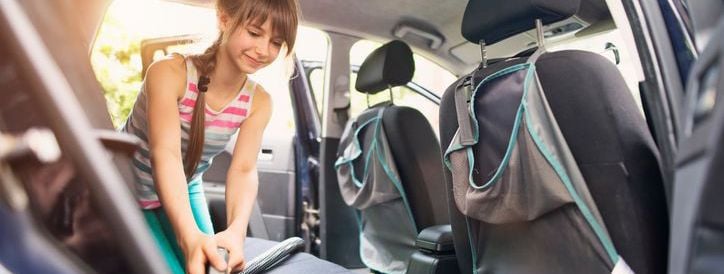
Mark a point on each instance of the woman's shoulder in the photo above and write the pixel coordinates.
(260, 92)
(168, 74)
(262, 99)
(171, 64)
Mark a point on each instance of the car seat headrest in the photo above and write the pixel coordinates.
(388, 66)
(493, 21)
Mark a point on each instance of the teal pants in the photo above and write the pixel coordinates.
(162, 230)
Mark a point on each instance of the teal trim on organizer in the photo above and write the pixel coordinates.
(471, 157)
(473, 251)
(471, 161)
(513, 134)
(450, 149)
(560, 171)
(393, 178)
(374, 146)
(597, 229)
(508, 151)
(511, 145)
(341, 160)
(489, 78)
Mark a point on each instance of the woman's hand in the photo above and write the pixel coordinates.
(199, 249)
(233, 241)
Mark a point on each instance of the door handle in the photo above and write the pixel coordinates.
(266, 154)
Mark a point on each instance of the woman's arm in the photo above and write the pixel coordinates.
(165, 84)
(242, 179)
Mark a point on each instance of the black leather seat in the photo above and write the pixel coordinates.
(413, 145)
(603, 127)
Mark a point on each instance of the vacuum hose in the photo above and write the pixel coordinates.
(266, 260)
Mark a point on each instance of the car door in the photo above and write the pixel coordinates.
(75, 208)
(697, 226)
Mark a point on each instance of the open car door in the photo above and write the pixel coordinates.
(697, 222)
(79, 208)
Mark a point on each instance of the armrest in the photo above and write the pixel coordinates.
(436, 239)
(435, 252)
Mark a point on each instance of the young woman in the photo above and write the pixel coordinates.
(187, 111)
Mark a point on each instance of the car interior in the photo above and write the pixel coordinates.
(408, 136)
(393, 153)
(607, 137)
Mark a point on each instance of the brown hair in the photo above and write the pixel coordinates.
(284, 21)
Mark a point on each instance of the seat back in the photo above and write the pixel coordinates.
(411, 167)
(605, 133)
(413, 143)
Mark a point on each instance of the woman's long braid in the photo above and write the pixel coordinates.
(205, 64)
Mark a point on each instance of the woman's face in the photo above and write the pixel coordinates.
(252, 46)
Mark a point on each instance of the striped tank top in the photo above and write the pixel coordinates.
(220, 127)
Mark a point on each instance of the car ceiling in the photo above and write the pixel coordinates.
(377, 20)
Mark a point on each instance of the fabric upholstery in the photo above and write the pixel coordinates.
(410, 150)
(297, 263)
(610, 141)
(415, 149)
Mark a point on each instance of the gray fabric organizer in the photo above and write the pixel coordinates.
(369, 182)
(533, 186)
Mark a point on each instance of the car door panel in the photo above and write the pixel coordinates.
(277, 187)
(697, 229)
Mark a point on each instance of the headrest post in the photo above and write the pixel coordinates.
(539, 31)
(389, 87)
(483, 53)
(368, 100)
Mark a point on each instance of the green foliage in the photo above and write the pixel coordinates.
(116, 61)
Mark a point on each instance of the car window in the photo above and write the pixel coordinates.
(428, 75)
